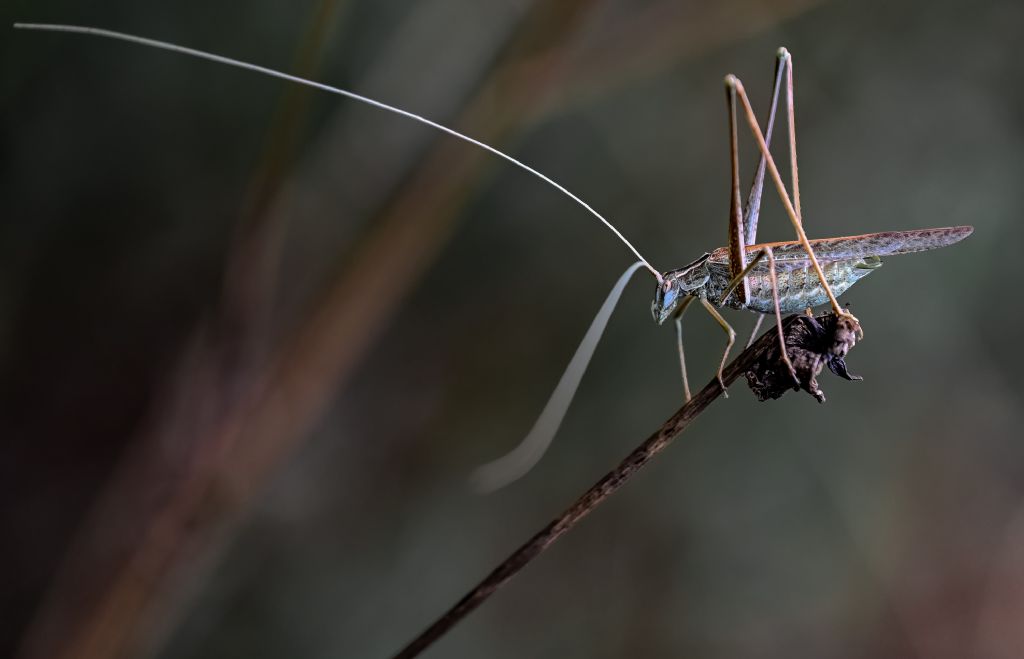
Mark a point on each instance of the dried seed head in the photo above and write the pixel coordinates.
(811, 343)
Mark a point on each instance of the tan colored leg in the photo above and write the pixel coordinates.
(783, 195)
(679, 344)
(784, 56)
(728, 346)
(752, 211)
(737, 246)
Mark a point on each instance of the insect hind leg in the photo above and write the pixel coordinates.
(752, 211)
(791, 211)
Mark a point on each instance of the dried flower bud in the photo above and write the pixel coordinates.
(811, 343)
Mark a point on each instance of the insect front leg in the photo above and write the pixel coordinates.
(679, 344)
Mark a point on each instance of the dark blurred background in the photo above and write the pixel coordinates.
(253, 340)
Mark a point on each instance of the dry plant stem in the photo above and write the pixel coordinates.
(251, 273)
(590, 499)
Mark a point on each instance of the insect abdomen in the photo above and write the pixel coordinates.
(800, 288)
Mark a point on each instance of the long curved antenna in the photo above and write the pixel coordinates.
(513, 465)
(162, 45)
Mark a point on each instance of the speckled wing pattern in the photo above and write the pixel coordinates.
(843, 261)
(789, 255)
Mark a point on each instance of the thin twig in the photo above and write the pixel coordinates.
(594, 496)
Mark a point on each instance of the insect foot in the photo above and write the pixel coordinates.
(812, 342)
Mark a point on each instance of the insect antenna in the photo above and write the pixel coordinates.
(220, 59)
(513, 465)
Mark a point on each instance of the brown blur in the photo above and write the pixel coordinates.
(254, 338)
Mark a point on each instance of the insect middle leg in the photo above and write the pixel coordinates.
(734, 283)
(730, 332)
(764, 252)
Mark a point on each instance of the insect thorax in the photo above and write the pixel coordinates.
(677, 285)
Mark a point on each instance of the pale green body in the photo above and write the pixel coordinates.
(799, 287)
(844, 261)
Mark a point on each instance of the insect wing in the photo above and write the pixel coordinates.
(790, 255)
